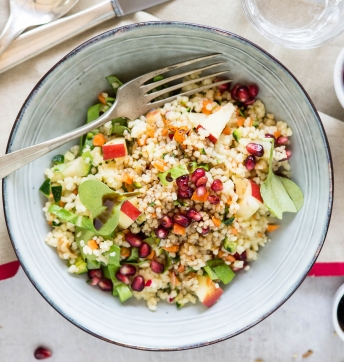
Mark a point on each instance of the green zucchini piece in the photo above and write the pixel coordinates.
(230, 246)
(124, 292)
(212, 275)
(215, 262)
(58, 159)
(45, 188)
(114, 82)
(57, 193)
(81, 264)
(237, 134)
(225, 273)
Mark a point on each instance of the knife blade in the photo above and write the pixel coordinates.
(44, 37)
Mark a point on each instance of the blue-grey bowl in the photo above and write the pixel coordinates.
(58, 104)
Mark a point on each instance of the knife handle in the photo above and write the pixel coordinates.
(46, 36)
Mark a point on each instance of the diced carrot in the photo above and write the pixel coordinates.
(217, 222)
(99, 140)
(251, 122)
(171, 249)
(180, 134)
(178, 229)
(181, 268)
(272, 227)
(75, 191)
(240, 121)
(159, 165)
(151, 255)
(127, 179)
(260, 235)
(234, 231)
(92, 244)
(227, 131)
(50, 223)
(102, 98)
(277, 134)
(62, 204)
(126, 231)
(205, 110)
(154, 215)
(174, 281)
(229, 201)
(150, 132)
(221, 254)
(125, 252)
(203, 198)
(230, 258)
(164, 132)
(142, 141)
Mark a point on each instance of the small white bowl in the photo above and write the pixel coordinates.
(338, 80)
(337, 298)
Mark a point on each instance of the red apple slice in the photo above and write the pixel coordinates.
(250, 202)
(207, 291)
(114, 149)
(129, 213)
(216, 122)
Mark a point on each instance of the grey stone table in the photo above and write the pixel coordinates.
(303, 323)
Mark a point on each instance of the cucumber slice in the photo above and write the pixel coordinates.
(124, 292)
(212, 275)
(114, 82)
(237, 134)
(230, 246)
(78, 167)
(45, 188)
(81, 264)
(58, 159)
(225, 273)
(57, 193)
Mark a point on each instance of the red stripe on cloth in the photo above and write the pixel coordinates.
(327, 270)
(9, 270)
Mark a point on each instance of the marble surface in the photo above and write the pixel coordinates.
(303, 323)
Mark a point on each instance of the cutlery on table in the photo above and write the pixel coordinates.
(37, 40)
(26, 13)
(132, 100)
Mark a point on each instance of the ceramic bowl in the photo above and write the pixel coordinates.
(338, 77)
(58, 104)
(338, 312)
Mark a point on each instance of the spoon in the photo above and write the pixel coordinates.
(25, 13)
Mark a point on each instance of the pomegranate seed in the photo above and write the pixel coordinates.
(205, 231)
(249, 102)
(269, 135)
(93, 281)
(148, 283)
(122, 278)
(145, 250)
(213, 199)
(42, 353)
(105, 285)
(234, 92)
(255, 149)
(171, 135)
(161, 233)
(134, 240)
(253, 90)
(183, 182)
(217, 185)
(289, 153)
(241, 256)
(201, 181)
(199, 172)
(138, 283)
(250, 162)
(243, 94)
(166, 222)
(181, 220)
(127, 269)
(282, 140)
(185, 194)
(170, 299)
(194, 215)
(222, 87)
(201, 191)
(95, 273)
(157, 267)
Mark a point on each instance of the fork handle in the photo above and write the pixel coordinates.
(15, 160)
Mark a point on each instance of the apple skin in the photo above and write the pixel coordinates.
(211, 138)
(115, 148)
(255, 191)
(128, 214)
(207, 291)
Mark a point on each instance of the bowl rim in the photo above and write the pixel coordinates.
(336, 299)
(338, 77)
(130, 27)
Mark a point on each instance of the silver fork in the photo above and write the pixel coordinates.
(132, 101)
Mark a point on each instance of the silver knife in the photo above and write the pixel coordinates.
(39, 39)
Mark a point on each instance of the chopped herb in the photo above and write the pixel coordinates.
(58, 159)
(229, 221)
(203, 151)
(241, 113)
(151, 204)
(179, 203)
(158, 78)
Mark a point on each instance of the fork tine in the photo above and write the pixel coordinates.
(151, 96)
(188, 93)
(149, 87)
(151, 75)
